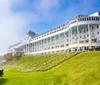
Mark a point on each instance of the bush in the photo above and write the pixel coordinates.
(8, 57)
(17, 55)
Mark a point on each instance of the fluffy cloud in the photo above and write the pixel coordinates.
(45, 5)
(13, 25)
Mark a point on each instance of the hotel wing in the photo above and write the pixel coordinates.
(80, 34)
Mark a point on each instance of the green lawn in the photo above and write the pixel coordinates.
(32, 78)
(75, 69)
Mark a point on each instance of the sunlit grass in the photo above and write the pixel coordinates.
(82, 69)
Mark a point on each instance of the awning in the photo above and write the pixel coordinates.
(93, 38)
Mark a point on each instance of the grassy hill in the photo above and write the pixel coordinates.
(39, 63)
(56, 69)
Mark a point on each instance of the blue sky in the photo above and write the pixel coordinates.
(51, 13)
(17, 17)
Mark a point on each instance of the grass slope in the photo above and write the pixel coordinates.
(39, 63)
(82, 69)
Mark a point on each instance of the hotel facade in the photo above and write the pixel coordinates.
(80, 34)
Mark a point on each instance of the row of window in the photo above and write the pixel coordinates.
(86, 30)
(41, 43)
(60, 36)
(89, 18)
(41, 48)
(92, 35)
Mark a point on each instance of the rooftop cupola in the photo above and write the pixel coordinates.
(30, 34)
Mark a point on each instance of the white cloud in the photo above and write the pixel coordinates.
(46, 8)
(46, 5)
(13, 25)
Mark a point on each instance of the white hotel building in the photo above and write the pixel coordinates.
(80, 34)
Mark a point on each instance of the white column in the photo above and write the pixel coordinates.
(71, 38)
(77, 33)
(33, 47)
(27, 48)
(40, 46)
(36, 46)
(89, 33)
(50, 41)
